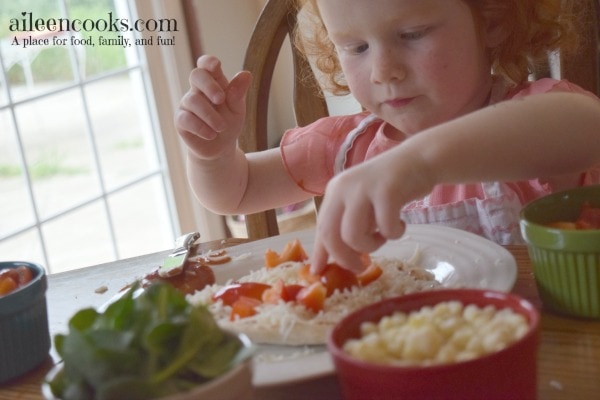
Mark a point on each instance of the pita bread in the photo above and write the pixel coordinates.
(288, 323)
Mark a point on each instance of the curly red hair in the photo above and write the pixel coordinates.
(536, 28)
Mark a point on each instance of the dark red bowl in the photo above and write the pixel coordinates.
(508, 374)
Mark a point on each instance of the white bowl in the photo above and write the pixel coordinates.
(235, 384)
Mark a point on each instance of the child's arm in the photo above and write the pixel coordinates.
(210, 120)
(554, 135)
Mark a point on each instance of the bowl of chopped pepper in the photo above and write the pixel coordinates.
(24, 334)
(150, 343)
(562, 232)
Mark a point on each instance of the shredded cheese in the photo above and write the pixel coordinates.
(279, 323)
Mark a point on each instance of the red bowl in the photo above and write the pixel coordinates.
(510, 373)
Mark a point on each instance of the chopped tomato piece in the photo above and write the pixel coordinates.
(25, 275)
(231, 293)
(7, 285)
(293, 251)
(313, 297)
(13, 278)
(244, 307)
(281, 291)
(11, 273)
(370, 274)
(589, 217)
(335, 277)
(290, 292)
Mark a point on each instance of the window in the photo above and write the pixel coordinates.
(83, 173)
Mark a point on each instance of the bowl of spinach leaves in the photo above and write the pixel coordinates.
(149, 344)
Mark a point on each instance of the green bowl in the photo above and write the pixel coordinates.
(566, 263)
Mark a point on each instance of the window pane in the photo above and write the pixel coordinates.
(78, 239)
(15, 206)
(23, 247)
(58, 151)
(98, 58)
(122, 128)
(78, 141)
(3, 85)
(36, 67)
(141, 219)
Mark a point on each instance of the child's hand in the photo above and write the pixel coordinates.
(211, 114)
(361, 209)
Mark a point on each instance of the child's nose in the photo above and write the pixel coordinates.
(387, 67)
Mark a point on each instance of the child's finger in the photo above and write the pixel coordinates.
(208, 78)
(236, 93)
(198, 105)
(330, 245)
(213, 65)
(188, 123)
(319, 258)
(389, 224)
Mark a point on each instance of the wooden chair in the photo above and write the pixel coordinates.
(276, 21)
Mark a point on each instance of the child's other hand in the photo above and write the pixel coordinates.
(211, 114)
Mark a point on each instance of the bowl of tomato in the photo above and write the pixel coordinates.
(562, 232)
(24, 332)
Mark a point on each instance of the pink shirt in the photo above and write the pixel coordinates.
(314, 154)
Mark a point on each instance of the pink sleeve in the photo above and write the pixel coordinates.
(309, 152)
(547, 85)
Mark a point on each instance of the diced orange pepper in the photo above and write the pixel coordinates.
(370, 274)
(562, 225)
(272, 259)
(313, 297)
(7, 285)
(273, 294)
(244, 307)
(293, 251)
(305, 275)
(589, 218)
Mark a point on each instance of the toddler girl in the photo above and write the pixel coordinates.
(452, 132)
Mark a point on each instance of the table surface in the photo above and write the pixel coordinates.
(568, 358)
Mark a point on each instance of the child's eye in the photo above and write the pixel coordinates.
(414, 35)
(360, 49)
(354, 48)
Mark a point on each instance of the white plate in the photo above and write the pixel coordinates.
(455, 257)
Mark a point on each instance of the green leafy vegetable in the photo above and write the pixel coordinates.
(140, 347)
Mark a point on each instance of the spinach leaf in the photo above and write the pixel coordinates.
(148, 343)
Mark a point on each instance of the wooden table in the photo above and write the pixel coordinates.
(568, 359)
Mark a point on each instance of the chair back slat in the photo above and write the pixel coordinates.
(276, 22)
